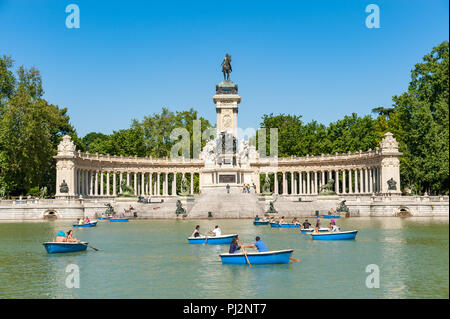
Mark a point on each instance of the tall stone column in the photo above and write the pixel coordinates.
(101, 182)
(158, 186)
(295, 183)
(107, 184)
(142, 184)
(174, 184)
(344, 186)
(192, 183)
(114, 184)
(150, 182)
(361, 180)
(308, 182)
(284, 190)
(336, 181)
(275, 183)
(366, 181)
(128, 178)
(300, 182)
(315, 183)
(350, 181)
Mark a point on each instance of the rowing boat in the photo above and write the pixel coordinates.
(310, 230)
(341, 235)
(331, 216)
(212, 240)
(57, 247)
(290, 225)
(258, 258)
(260, 222)
(91, 224)
(118, 219)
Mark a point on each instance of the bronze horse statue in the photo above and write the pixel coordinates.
(226, 67)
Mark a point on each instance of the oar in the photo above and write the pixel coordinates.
(294, 259)
(245, 254)
(89, 246)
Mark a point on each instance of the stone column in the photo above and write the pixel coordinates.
(336, 181)
(107, 184)
(275, 183)
(114, 184)
(344, 186)
(96, 184)
(366, 180)
(158, 182)
(192, 183)
(295, 183)
(304, 182)
(283, 190)
(300, 183)
(350, 181)
(135, 183)
(174, 184)
(150, 182)
(308, 182)
(361, 181)
(315, 183)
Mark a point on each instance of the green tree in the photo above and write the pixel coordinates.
(420, 123)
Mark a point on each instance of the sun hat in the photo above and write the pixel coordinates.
(61, 233)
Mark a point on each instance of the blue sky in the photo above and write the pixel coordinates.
(130, 58)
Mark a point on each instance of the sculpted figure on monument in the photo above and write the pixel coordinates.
(327, 189)
(127, 191)
(244, 151)
(180, 209)
(392, 184)
(63, 188)
(342, 208)
(209, 152)
(184, 187)
(266, 186)
(226, 67)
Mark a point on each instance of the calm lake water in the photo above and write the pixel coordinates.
(152, 259)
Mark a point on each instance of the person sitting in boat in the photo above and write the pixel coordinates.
(295, 221)
(87, 220)
(333, 227)
(306, 224)
(318, 222)
(80, 221)
(256, 218)
(264, 218)
(259, 244)
(196, 232)
(333, 222)
(316, 230)
(216, 231)
(61, 237)
(69, 238)
(234, 246)
(281, 221)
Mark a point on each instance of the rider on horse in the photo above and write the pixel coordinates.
(226, 67)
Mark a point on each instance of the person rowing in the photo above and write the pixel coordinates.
(281, 220)
(295, 221)
(256, 218)
(234, 246)
(306, 224)
(216, 231)
(196, 232)
(69, 237)
(259, 245)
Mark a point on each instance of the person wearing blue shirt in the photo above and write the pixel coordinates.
(259, 244)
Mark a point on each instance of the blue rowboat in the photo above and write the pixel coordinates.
(310, 230)
(54, 247)
(118, 219)
(212, 240)
(91, 224)
(258, 258)
(341, 235)
(331, 216)
(276, 225)
(103, 218)
(259, 222)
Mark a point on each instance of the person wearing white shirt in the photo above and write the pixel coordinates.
(216, 231)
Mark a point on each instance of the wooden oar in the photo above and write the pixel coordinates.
(89, 246)
(245, 254)
(294, 259)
